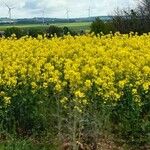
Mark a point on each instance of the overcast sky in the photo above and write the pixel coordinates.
(57, 8)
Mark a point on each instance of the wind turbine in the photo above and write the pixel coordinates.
(43, 17)
(89, 10)
(9, 12)
(67, 14)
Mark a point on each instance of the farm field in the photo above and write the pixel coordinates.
(65, 91)
(73, 26)
(79, 85)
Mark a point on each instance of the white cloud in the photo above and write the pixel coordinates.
(57, 8)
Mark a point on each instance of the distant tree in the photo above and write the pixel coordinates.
(144, 13)
(82, 32)
(54, 30)
(67, 31)
(34, 32)
(125, 21)
(2, 33)
(144, 8)
(14, 30)
(136, 20)
(99, 26)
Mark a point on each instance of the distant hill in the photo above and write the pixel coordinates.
(104, 18)
(38, 20)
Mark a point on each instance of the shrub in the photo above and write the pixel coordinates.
(14, 30)
(135, 20)
(34, 32)
(99, 26)
(54, 30)
(67, 31)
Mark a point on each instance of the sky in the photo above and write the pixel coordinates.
(58, 8)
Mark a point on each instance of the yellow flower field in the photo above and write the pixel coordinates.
(79, 65)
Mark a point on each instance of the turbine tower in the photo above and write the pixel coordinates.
(9, 12)
(67, 14)
(43, 17)
(89, 10)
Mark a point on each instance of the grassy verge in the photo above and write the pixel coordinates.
(74, 26)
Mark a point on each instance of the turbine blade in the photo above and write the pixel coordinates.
(7, 6)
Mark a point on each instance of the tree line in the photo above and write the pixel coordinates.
(34, 32)
(126, 21)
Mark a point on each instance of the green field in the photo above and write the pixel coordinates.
(77, 26)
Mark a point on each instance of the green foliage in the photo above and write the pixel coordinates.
(125, 22)
(34, 32)
(20, 144)
(135, 20)
(67, 31)
(128, 121)
(14, 30)
(98, 26)
(38, 116)
(54, 30)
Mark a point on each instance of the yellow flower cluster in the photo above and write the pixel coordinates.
(77, 65)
